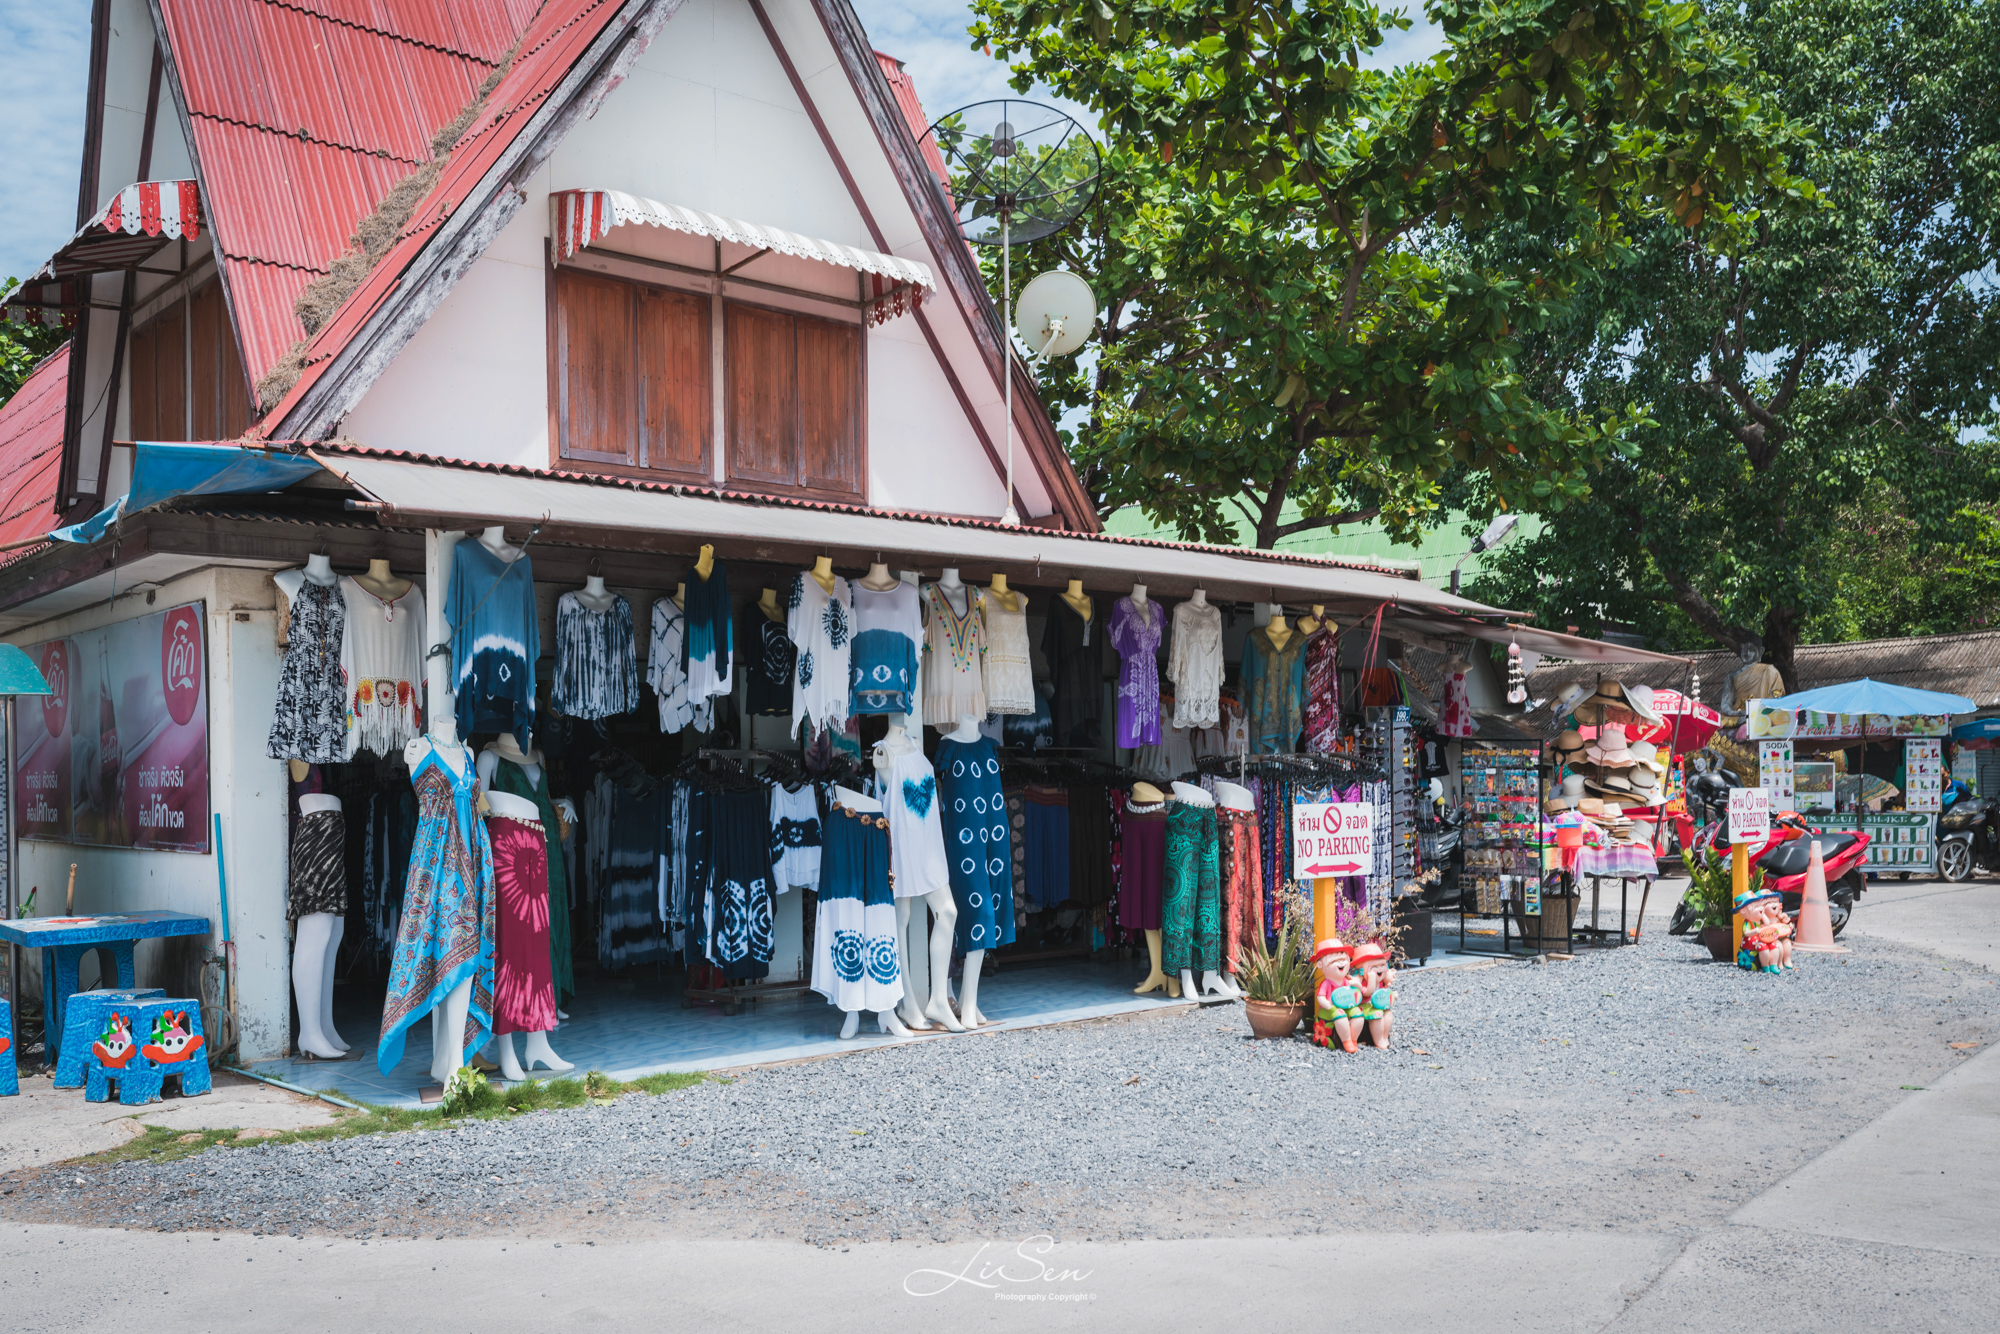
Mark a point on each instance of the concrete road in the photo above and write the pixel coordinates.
(1962, 920)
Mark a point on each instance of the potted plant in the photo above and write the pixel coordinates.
(1277, 985)
(1709, 900)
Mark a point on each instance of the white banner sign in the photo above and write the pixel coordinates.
(1774, 771)
(1333, 839)
(1749, 814)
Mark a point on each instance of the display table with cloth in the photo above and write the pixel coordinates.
(1623, 862)
(68, 939)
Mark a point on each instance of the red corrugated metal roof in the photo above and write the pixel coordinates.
(31, 428)
(905, 89)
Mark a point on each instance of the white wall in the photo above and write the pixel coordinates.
(245, 785)
(707, 118)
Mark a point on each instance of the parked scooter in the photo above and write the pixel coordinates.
(1783, 859)
(1968, 836)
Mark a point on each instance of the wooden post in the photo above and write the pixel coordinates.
(1326, 910)
(1739, 883)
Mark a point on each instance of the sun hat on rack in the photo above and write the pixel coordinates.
(1569, 697)
(1568, 746)
(1612, 750)
(1573, 786)
(1610, 785)
(1614, 695)
(1648, 755)
(1641, 699)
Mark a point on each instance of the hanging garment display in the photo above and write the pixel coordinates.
(446, 933)
(855, 964)
(795, 836)
(666, 673)
(978, 843)
(382, 657)
(888, 627)
(1194, 664)
(310, 721)
(909, 791)
(1027, 731)
(954, 653)
(1242, 886)
(1141, 864)
(1075, 653)
(1191, 898)
(1274, 680)
(710, 647)
(771, 660)
(510, 774)
(495, 640)
(821, 625)
(318, 872)
(737, 887)
(1456, 718)
(524, 993)
(623, 820)
(1167, 761)
(1136, 630)
(1048, 846)
(597, 671)
(1321, 704)
(1090, 881)
(1010, 677)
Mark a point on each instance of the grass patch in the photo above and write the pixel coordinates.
(493, 1103)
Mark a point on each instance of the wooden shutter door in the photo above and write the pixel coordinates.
(596, 389)
(673, 358)
(208, 325)
(235, 387)
(830, 428)
(159, 377)
(761, 371)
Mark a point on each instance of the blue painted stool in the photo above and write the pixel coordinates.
(10, 1078)
(142, 1044)
(83, 1020)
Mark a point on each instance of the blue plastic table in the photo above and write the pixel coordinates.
(68, 939)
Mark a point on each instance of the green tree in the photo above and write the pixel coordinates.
(22, 346)
(1287, 242)
(1823, 386)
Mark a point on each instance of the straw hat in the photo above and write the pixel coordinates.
(1569, 745)
(1648, 754)
(1638, 700)
(1612, 750)
(1591, 807)
(1569, 697)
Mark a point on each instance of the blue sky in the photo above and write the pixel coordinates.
(48, 52)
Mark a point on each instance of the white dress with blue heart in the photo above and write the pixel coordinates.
(908, 792)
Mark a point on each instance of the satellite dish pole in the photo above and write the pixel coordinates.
(1046, 173)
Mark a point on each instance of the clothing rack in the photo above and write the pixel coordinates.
(1318, 768)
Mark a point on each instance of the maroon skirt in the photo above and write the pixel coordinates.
(524, 987)
(1142, 868)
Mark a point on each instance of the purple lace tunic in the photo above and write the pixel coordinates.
(1136, 636)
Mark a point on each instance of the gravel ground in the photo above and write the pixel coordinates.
(1642, 1087)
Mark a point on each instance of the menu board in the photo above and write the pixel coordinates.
(1774, 772)
(1923, 768)
(1897, 840)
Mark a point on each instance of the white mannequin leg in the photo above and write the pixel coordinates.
(945, 909)
(887, 1021)
(535, 1051)
(912, 1006)
(851, 1025)
(1216, 984)
(1187, 984)
(326, 1028)
(968, 1000)
(510, 1069)
(448, 1031)
(310, 976)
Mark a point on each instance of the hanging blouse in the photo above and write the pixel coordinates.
(1075, 656)
(597, 670)
(1321, 706)
(382, 657)
(495, 641)
(1274, 680)
(1136, 633)
(668, 677)
(709, 649)
(770, 665)
(310, 721)
(795, 837)
(888, 626)
(821, 625)
(1010, 677)
(1195, 664)
(916, 836)
(955, 679)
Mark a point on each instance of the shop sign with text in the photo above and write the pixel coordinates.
(1333, 839)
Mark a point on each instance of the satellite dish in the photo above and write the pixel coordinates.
(1055, 313)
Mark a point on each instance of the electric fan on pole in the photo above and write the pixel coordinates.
(1022, 171)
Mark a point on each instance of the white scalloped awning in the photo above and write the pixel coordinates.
(135, 225)
(584, 216)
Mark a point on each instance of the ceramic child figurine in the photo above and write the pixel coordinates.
(1767, 933)
(1337, 1002)
(1372, 962)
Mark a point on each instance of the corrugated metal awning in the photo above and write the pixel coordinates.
(584, 216)
(139, 221)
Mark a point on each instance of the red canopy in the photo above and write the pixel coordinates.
(1686, 724)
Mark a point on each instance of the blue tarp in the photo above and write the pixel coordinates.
(1980, 729)
(163, 471)
(18, 673)
(1866, 696)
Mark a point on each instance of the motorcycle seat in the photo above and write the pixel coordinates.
(1791, 858)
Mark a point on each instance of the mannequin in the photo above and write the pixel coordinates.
(1280, 633)
(319, 570)
(315, 942)
(1145, 794)
(1000, 593)
(1211, 983)
(968, 995)
(1310, 624)
(919, 1012)
(381, 582)
(1139, 596)
(885, 1020)
(449, 1016)
(878, 579)
(1078, 600)
(704, 564)
(822, 573)
(494, 539)
(953, 586)
(535, 1046)
(680, 597)
(595, 595)
(1200, 598)
(768, 604)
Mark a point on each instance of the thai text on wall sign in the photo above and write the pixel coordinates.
(1333, 839)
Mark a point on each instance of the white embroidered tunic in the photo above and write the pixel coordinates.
(382, 658)
(1010, 675)
(1194, 664)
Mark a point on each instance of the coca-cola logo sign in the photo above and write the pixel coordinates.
(180, 663)
(55, 670)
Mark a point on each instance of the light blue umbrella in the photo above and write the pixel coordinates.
(1866, 696)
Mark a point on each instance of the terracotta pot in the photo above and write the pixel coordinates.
(1720, 941)
(1270, 1019)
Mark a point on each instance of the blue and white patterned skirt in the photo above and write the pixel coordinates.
(854, 947)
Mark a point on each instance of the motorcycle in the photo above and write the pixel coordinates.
(1784, 857)
(1968, 838)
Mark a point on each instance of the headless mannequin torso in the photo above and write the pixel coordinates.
(1280, 633)
(919, 1011)
(997, 590)
(595, 595)
(316, 941)
(1078, 600)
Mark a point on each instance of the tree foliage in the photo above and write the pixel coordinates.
(22, 346)
(1823, 387)
(1288, 244)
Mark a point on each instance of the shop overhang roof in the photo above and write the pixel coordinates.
(573, 509)
(1548, 643)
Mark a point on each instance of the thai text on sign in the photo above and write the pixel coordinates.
(1749, 814)
(1333, 838)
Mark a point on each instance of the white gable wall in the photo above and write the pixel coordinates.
(706, 118)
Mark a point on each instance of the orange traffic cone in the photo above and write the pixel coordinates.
(1815, 932)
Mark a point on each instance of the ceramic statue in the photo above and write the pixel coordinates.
(1767, 932)
(1371, 961)
(1337, 1000)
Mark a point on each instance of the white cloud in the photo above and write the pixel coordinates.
(41, 127)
